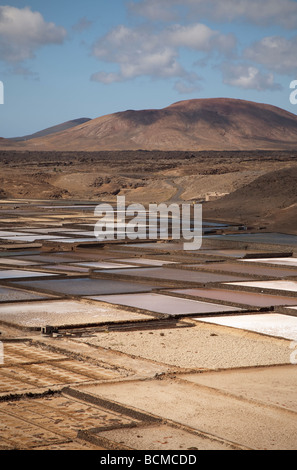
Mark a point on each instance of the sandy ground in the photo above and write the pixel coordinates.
(185, 402)
(201, 346)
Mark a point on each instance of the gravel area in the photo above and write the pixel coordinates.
(201, 346)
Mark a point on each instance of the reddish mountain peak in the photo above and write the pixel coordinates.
(199, 124)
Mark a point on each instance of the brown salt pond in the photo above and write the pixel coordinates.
(239, 297)
(65, 268)
(104, 265)
(86, 286)
(247, 270)
(231, 253)
(181, 275)
(145, 261)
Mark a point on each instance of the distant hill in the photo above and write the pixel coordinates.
(51, 130)
(269, 200)
(203, 124)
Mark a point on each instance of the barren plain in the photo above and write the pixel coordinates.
(260, 186)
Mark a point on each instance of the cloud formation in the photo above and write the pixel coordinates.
(177, 40)
(248, 77)
(260, 12)
(276, 53)
(23, 31)
(143, 52)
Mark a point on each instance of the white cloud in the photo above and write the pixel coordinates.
(276, 53)
(106, 78)
(248, 77)
(260, 12)
(199, 37)
(137, 53)
(142, 52)
(196, 36)
(22, 31)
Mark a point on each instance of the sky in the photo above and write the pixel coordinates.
(63, 59)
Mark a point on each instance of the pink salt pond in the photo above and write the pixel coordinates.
(165, 304)
(239, 297)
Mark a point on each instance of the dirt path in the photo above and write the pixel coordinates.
(176, 198)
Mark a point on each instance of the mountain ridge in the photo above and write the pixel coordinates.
(51, 130)
(198, 124)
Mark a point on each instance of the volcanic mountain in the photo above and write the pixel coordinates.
(203, 124)
(51, 130)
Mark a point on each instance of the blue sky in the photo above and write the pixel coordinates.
(61, 60)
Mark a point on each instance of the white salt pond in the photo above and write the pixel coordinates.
(18, 274)
(16, 262)
(103, 265)
(272, 324)
(29, 238)
(76, 240)
(286, 261)
(6, 233)
(290, 286)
